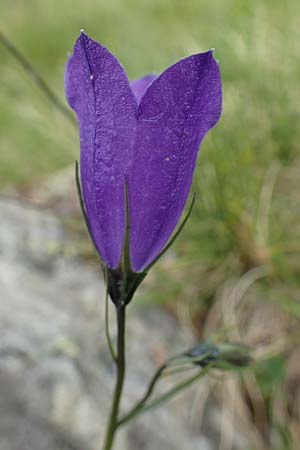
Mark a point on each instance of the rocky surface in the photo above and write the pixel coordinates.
(56, 376)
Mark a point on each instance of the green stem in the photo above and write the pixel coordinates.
(120, 362)
(141, 407)
(147, 395)
(34, 74)
(108, 338)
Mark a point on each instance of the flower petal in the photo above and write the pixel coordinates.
(140, 85)
(98, 90)
(175, 113)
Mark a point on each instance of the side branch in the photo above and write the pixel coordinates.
(142, 407)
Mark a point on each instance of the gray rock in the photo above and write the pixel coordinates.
(56, 376)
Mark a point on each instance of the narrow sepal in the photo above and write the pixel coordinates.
(123, 281)
(83, 211)
(176, 234)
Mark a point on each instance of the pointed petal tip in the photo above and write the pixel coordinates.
(78, 43)
(212, 51)
(209, 53)
(83, 37)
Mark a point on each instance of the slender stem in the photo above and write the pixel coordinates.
(174, 361)
(34, 74)
(120, 362)
(142, 408)
(148, 393)
(108, 338)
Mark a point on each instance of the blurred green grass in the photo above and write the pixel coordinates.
(255, 42)
(247, 212)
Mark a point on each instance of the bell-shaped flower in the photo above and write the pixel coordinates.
(139, 144)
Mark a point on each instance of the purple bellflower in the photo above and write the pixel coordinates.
(139, 144)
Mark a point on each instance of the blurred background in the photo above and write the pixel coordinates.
(234, 274)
